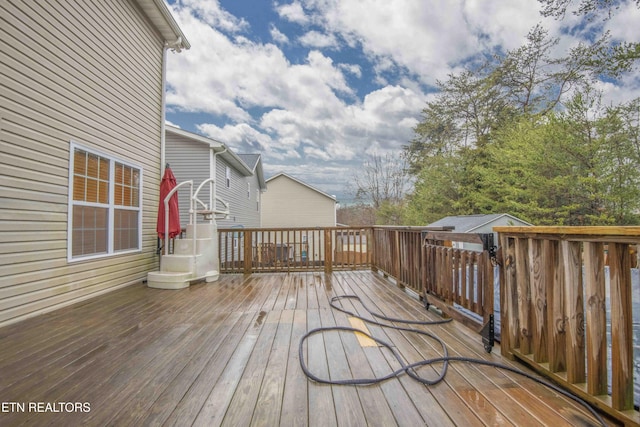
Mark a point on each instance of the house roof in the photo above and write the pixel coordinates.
(254, 161)
(162, 19)
(282, 174)
(223, 151)
(468, 223)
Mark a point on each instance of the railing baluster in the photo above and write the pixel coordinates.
(596, 317)
(537, 277)
(523, 295)
(574, 312)
(621, 327)
(557, 354)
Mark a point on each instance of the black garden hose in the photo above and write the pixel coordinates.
(409, 368)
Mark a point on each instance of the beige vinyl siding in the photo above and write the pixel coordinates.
(288, 203)
(83, 71)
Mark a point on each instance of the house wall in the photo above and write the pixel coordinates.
(89, 72)
(243, 211)
(189, 160)
(287, 203)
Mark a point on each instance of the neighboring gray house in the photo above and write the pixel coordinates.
(239, 177)
(81, 131)
(481, 223)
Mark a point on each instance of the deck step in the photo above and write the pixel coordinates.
(212, 276)
(185, 246)
(175, 263)
(168, 280)
(203, 231)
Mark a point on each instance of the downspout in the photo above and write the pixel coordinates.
(213, 167)
(163, 110)
(175, 46)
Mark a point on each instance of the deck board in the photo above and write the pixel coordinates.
(226, 353)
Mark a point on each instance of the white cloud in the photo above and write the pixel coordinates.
(624, 23)
(353, 69)
(211, 13)
(241, 137)
(426, 38)
(313, 152)
(277, 36)
(292, 12)
(316, 39)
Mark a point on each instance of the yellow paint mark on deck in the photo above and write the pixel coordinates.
(364, 340)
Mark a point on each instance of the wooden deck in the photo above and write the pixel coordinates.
(226, 353)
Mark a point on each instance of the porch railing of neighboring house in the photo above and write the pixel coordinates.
(566, 308)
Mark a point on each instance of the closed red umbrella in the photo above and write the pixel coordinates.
(168, 183)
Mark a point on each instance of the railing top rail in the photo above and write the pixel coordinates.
(413, 227)
(349, 227)
(454, 237)
(251, 229)
(606, 232)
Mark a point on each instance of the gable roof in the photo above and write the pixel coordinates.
(160, 16)
(282, 174)
(220, 148)
(468, 223)
(254, 161)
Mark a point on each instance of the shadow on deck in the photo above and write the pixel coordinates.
(226, 353)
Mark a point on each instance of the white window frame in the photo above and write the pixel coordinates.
(248, 190)
(228, 177)
(111, 207)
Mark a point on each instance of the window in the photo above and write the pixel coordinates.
(228, 177)
(257, 199)
(104, 205)
(248, 190)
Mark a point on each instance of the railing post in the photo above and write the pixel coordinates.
(248, 255)
(371, 247)
(328, 252)
(507, 289)
(396, 256)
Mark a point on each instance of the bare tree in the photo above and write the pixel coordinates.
(383, 182)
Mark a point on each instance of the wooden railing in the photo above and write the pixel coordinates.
(425, 265)
(557, 283)
(257, 250)
(461, 276)
(398, 254)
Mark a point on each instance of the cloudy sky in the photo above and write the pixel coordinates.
(316, 86)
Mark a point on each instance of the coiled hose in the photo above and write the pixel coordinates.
(409, 368)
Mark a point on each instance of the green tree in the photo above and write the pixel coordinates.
(435, 190)
(620, 179)
(524, 133)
